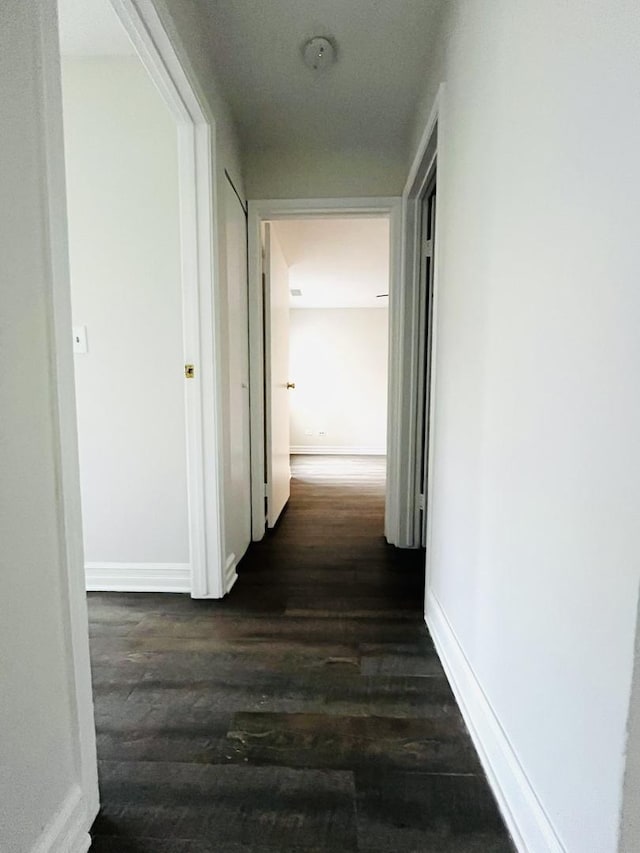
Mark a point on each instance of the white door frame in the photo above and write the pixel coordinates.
(175, 82)
(273, 209)
(410, 374)
(197, 150)
(86, 796)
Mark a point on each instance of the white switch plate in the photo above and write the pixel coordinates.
(80, 339)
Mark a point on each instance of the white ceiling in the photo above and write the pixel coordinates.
(336, 263)
(91, 28)
(367, 99)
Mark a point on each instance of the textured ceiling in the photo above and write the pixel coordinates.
(367, 98)
(336, 263)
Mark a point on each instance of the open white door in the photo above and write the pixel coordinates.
(238, 531)
(276, 330)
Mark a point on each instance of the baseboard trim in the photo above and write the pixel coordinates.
(530, 826)
(338, 450)
(138, 577)
(68, 830)
(230, 573)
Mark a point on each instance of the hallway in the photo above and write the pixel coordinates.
(305, 711)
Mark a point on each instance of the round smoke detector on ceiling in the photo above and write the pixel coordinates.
(318, 53)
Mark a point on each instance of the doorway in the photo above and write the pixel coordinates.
(414, 372)
(320, 323)
(425, 356)
(145, 310)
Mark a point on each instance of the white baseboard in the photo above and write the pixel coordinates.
(138, 577)
(68, 830)
(528, 823)
(338, 450)
(230, 574)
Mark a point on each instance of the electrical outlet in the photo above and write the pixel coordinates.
(322, 432)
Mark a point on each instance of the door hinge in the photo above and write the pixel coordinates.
(427, 248)
(421, 503)
(189, 371)
(266, 490)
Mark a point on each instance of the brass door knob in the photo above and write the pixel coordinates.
(291, 385)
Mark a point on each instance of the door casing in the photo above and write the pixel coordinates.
(428, 158)
(425, 355)
(273, 209)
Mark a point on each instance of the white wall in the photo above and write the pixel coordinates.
(124, 239)
(336, 262)
(535, 540)
(48, 782)
(342, 173)
(338, 360)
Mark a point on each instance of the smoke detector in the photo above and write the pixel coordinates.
(319, 53)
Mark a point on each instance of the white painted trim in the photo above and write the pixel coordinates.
(395, 451)
(67, 832)
(309, 208)
(437, 117)
(336, 450)
(406, 487)
(230, 573)
(530, 826)
(65, 449)
(138, 577)
(257, 412)
(175, 80)
(418, 160)
(272, 209)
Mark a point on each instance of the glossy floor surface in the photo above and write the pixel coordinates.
(307, 711)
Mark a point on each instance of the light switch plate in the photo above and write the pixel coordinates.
(80, 339)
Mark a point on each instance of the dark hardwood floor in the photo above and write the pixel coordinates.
(307, 711)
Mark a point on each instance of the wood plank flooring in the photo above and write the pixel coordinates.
(307, 711)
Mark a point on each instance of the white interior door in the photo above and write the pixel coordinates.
(239, 472)
(276, 307)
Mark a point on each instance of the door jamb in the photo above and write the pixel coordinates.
(425, 358)
(429, 154)
(175, 81)
(270, 209)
